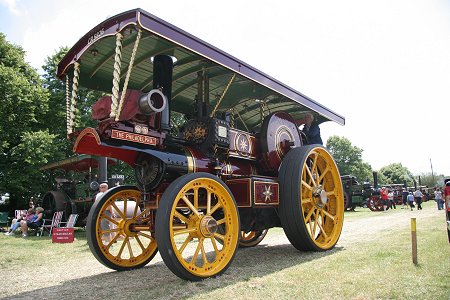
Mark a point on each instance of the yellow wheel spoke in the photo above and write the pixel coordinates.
(140, 243)
(122, 247)
(308, 216)
(196, 198)
(109, 230)
(216, 250)
(144, 235)
(144, 212)
(306, 200)
(316, 220)
(129, 249)
(208, 203)
(110, 219)
(112, 241)
(221, 221)
(113, 204)
(185, 243)
(205, 260)
(322, 230)
(219, 236)
(135, 210)
(184, 231)
(306, 185)
(310, 175)
(332, 193)
(328, 169)
(181, 217)
(328, 215)
(199, 246)
(190, 205)
(213, 210)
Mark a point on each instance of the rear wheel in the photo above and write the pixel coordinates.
(189, 215)
(119, 230)
(312, 200)
(252, 238)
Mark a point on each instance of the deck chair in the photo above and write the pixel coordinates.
(50, 224)
(4, 220)
(71, 221)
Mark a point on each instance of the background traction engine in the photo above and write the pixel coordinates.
(208, 188)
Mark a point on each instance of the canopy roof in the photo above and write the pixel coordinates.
(250, 90)
(78, 163)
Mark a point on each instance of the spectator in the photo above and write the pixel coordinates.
(418, 197)
(410, 199)
(405, 198)
(391, 199)
(31, 203)
(34, 223)
(439, 199)
(16, 224)
(312, 130)
(384, 198)
(447, 195)
(102, 189)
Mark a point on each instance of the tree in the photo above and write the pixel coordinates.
(24, 139)
(349, 158)
(396, 173)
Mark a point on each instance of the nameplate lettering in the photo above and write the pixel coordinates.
(133, 137)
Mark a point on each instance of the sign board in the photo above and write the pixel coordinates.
(62, 235)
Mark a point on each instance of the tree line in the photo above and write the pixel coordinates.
(33, 129)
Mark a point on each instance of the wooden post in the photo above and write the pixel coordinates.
(414, 240)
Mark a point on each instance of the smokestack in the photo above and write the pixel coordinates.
(102, 169)
(375, 179)
(162, 78)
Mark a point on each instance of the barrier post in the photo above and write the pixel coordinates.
(414, 240)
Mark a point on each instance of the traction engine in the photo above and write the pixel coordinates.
(215, 145)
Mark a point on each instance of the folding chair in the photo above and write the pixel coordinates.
(4, 219)
(71, 221)
(50, 224)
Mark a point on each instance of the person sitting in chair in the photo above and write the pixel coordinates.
(28, 217)
(34, 223)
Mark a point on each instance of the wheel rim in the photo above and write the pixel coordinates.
(321, 198)
(252, 238)
(122, 231)
(200, 207)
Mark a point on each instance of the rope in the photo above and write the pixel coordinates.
(67, 105)
(76, 76)
(116, 75)
(127, 78)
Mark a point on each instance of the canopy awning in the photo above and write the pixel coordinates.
(243, 90)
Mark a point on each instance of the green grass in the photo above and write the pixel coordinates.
(379, 269)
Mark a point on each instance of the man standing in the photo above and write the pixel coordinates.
(418, 196)
(439, 199)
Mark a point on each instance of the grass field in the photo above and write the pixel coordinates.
(366, 264)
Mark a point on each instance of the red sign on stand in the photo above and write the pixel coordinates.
(62, 235)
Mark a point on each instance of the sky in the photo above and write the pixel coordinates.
(382, 64)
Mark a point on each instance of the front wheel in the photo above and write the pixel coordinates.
(119, 230)
(312, 200)
(191, 213)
